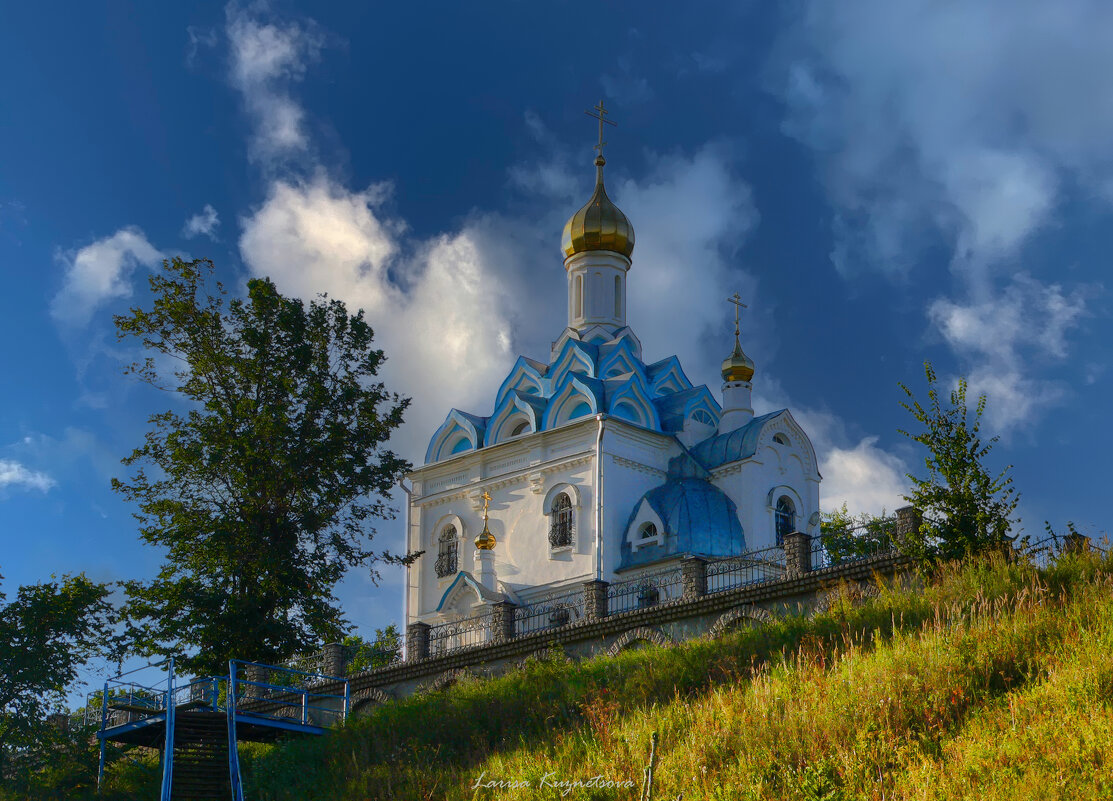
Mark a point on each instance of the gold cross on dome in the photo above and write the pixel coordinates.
(736, 299)
(600, 114)
(486, 501)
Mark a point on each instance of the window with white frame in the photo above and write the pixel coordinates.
(446, 552)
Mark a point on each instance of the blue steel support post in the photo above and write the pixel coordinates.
(103, 726)
(168, 753)
(233, 751)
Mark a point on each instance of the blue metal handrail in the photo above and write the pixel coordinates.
(159, 702)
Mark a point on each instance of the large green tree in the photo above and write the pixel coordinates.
(47, 632)
(966, 509)
(263, 484)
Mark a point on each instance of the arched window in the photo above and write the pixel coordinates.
(617, 296)
(649, 531)
(578, 293)
(521, 428)
(446, 553)
(561, 525)
(702, 416)
(785, 517)
(780, 439)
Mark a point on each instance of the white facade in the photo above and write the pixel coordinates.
(680, 473)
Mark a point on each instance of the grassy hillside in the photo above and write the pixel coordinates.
(993, 682)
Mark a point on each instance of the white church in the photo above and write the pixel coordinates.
(597, 463)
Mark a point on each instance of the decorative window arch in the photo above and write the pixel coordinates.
(780, 439)
(562, 522)
(460, 445)
(522, 427)
(647, 532)
(784, 516)
(703, 416)
(626, 411)
(448, 546)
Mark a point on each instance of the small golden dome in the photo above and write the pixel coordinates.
(486, 540)
(600, 225)
(738, 366)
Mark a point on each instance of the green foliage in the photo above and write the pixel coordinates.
(991, 682)
(364, 655)
(847, 536)
(965, 509)
(263, 490)
(46, 633)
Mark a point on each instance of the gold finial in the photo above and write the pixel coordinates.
(600, 114)
(738, 366)
(736, 299)
(486, 540)
(599, 225)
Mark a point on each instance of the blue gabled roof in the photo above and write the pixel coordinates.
(638, 385)
(536, 402)
(699, 520)
(671, 408)
(734, 445)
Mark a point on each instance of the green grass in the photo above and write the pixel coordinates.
(993, 681)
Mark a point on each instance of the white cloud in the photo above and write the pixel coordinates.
(855, 471)
(864, 477)
(959, 118)
(437, 312)
(1007, 341)
(265, 58)
(691, 215)
(100, 272)
(15, 475)
(203, 224)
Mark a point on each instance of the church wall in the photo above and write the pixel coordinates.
(519, 476)
(636, 462)
(749, 483)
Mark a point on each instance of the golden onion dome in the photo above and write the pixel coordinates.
(486, 540)
(600, 225)
(738, 366)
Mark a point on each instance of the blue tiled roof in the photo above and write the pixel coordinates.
(699, 520)
(636, 386)
(734, 445)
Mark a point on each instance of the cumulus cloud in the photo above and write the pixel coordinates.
(435, 309)
(864, 477)
(1007, 339)
(203, 224)
(266, 56)
(965, 119)
(856, 470)
(15, 475)
(100, 272)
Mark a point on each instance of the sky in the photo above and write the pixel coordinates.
(883, 181)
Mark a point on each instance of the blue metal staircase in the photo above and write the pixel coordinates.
(197, 724)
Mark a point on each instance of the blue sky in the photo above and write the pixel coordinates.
(884, 182)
